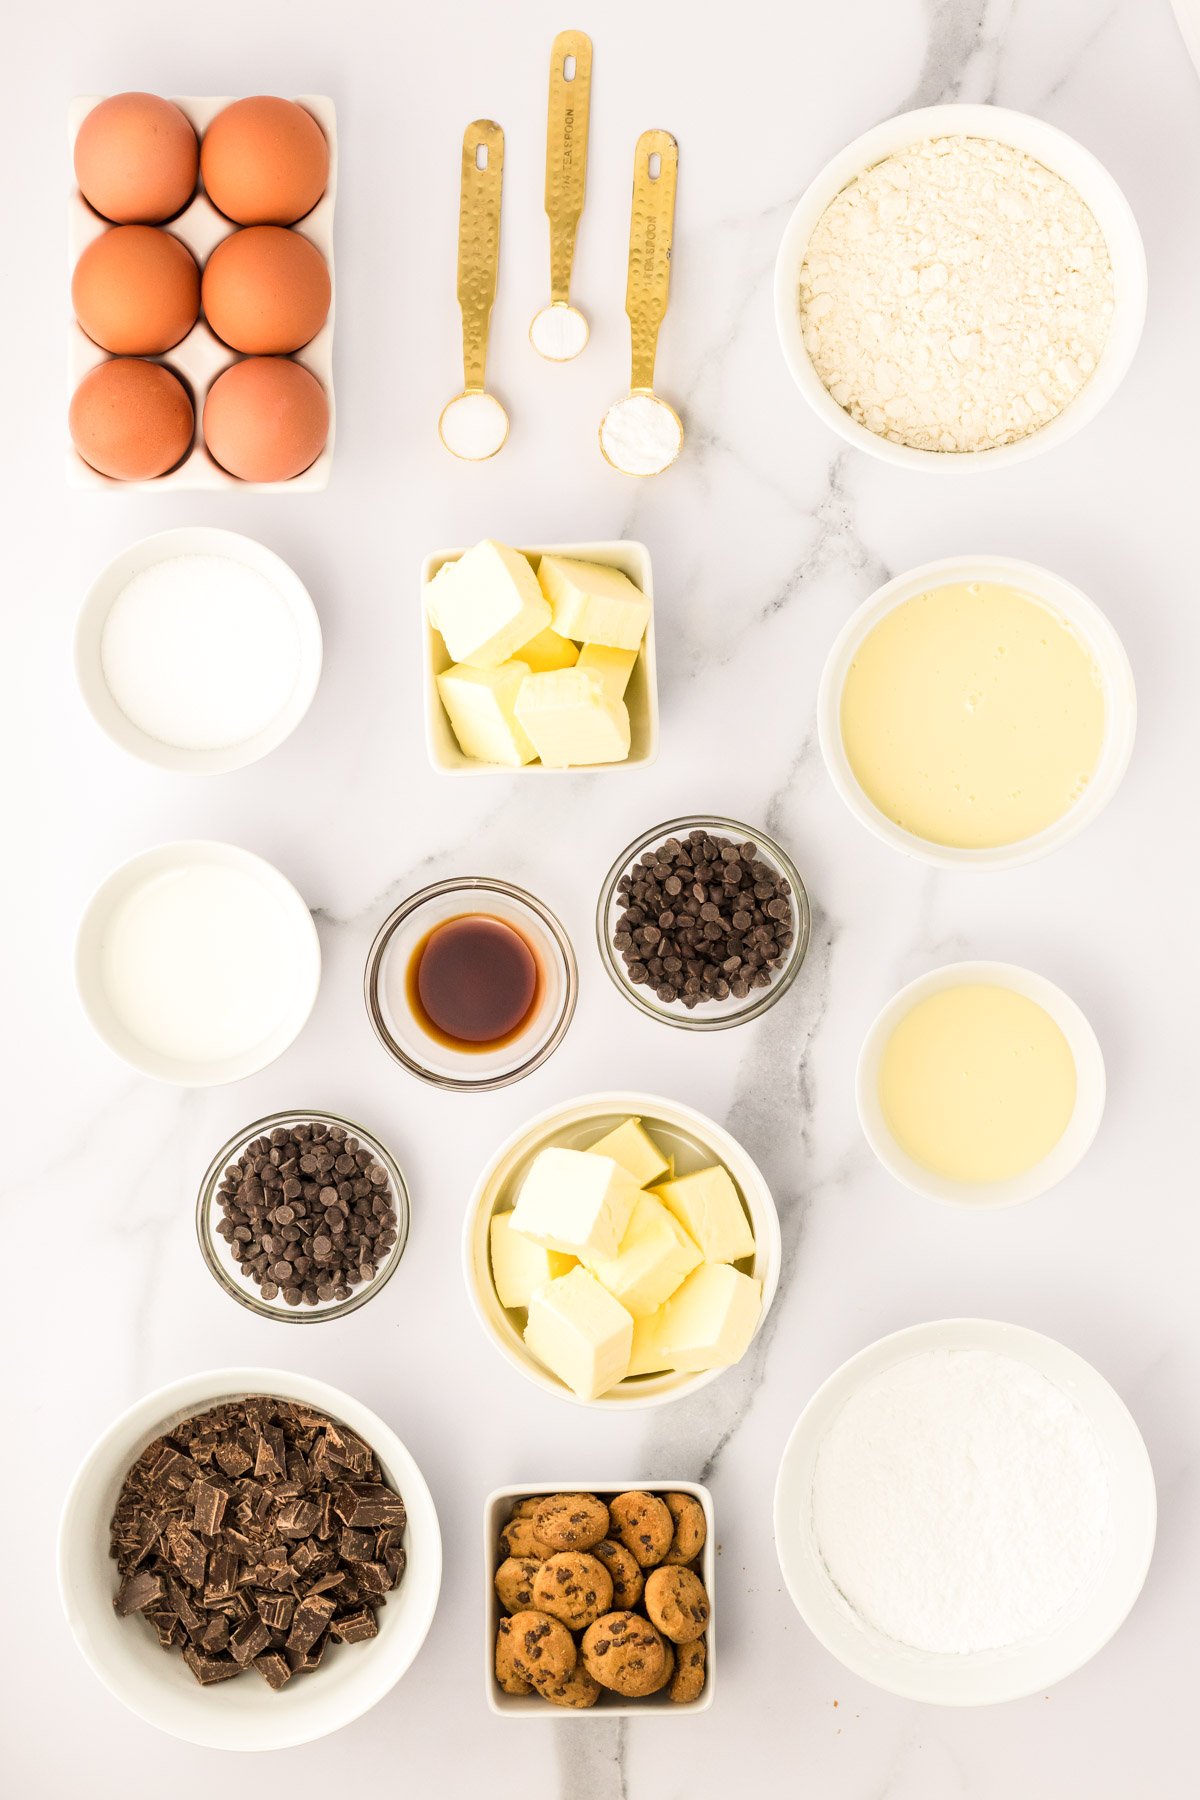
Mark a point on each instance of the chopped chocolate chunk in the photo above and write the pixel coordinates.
(208, 1507)
(138, 1592)
(275, 1670)
(353, 1627)
(249, 1640)
(208, 1669)
(298, 1518)
(311, 1617)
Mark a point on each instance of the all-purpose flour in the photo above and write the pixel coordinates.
(956, 296)
(960, 1502)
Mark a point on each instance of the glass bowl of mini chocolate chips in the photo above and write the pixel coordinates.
(703, 923)
(302, 1216)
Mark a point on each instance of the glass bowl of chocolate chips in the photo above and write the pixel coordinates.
(703, 923)
(302, 1216)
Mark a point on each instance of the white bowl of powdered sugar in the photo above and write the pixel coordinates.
(961, 287)
(198, 650)
(965, 1512)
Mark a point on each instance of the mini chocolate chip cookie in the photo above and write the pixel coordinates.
(627, 1578)
(543, 1650)
(643, 1524)
(571, 1521)
(520, 1539)
(668, 1666)
(690, 1529)
(624, 1652)
(574, 1587)
(677, 1603)
(506, 1672)
(578, 1690)
(687, 1683)
(514, 1582)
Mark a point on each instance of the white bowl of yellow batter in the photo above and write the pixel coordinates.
(986, 723)
(980, 1084)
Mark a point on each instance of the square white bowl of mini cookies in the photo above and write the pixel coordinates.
(497, 1511)
(641, 696)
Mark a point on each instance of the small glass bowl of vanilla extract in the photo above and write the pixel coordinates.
(471, 984)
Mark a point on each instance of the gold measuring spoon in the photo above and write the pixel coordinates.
(474, 425)
(641, 434)
(560, 330)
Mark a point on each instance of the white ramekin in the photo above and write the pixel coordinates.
(994, 1675)
(576, 1125)
(194, 540)
(497, 1510)
(1071, 1147)
(1058, 152)
(641, 696)
(1085, 619)
(243, 1714)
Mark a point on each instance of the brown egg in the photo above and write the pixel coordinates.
(136, 158)
(136, 290)
(266, 289)
(264, 161)
(131, 419)
(266, 419)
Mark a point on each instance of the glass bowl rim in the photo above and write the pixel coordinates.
(681, 1019)
(471, 884)
(207, 1199)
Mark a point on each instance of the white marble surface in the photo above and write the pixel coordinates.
(763, 539)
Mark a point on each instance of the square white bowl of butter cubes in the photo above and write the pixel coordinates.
(539, 660)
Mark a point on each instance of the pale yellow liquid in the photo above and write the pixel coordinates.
(977, 1083)
(973, 716)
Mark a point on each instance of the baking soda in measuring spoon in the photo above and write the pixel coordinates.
(200, 652)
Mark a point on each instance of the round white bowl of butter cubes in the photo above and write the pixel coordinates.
(539, 660)
(621, 1250)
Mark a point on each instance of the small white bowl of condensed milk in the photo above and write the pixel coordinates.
(977, 712)
(980, 1084)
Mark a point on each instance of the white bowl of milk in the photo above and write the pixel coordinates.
(197, 962)
(198, 650)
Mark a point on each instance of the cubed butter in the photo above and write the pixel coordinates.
(580, 1333)
(632, 1146)
(656, 1254)
(519, 1265)
(646, 1358)
(487, 604)
(575, 1202)
(709, 1321)
(481, 707)
(612, 668)
(571, 721)
(707, 1206)
(548, 651)
(593, 603)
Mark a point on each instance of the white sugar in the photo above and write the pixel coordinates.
(641, 435)
(960, 1502)
(200, 652)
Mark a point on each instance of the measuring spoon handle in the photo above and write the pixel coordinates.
(566, 151)
(479, 242)
(651, 229)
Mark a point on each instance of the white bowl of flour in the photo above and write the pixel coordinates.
(965, 1512)
(198, 650)
(961, 287)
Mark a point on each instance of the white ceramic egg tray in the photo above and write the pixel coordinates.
(201, 356)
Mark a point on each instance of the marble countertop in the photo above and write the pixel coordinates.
(763, 538)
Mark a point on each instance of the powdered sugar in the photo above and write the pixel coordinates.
(956, 296)
(960, 1502)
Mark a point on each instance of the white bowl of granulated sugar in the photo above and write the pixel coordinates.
(965, 1512)
(961, 288)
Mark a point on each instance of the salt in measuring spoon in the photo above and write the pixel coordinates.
(641, 434)
(560, 331)
(474, 425)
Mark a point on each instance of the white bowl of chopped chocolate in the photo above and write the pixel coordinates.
(249, 1559)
